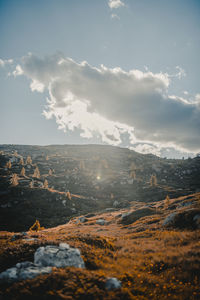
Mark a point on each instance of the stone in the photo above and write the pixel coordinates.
(115, 203)
(113, 283)
(82, 220)
(24, 270)
(169, 219)
(100, 222)
(62, 256)
(90, 215)
(30, 240)
(187, 219)
(131, 217)
(196, 219)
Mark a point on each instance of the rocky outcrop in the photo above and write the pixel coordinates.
(133, 216)
(187, 219)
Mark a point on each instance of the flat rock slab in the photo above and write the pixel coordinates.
(24, 270)
(133, 216)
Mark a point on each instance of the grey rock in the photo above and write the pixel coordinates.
(133, 216)
(115, 203)
(62, 256)
(188, 218)
(90, 215)
(24, 233)
(185, 204)
(196, 219)
(169, 219)
(113, 283)
(81, 220)
(22, 271)
(100, 222)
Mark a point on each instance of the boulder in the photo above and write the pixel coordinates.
(196, 219)
(90, 215)
(24, 270)
(116, 203)
(133, 216)
(62, 256)
(82, 220)
(113, 283)
(187, 219)
(100, 222)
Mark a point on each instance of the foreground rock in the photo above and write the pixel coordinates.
(24, 270)
(62, 256)
(44, 259)
(133, 216)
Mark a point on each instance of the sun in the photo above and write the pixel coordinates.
(98, 177)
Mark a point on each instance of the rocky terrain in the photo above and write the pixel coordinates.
(145, 251)
(55, 183)
(115, 224)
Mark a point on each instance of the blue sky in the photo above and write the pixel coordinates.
(147, 35)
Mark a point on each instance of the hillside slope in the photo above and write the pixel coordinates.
(154, 250)
(55, 183)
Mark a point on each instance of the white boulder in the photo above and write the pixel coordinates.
(62, 256)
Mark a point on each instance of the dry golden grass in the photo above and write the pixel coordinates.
(153, 263)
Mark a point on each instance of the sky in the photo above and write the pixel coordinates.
(124, 73)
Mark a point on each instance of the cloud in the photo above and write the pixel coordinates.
(18, 71)
(113, 4)
(5, 62)
(147, 148)
(115, 16)
(113, 103)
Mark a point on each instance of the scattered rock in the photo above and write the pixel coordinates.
(30, 240)
(81, 220)
(90, 215)
(113, 283)
(116, 203)
(100, 222)
(188, 219)
(110, 209)
(62, 256)
(18, 236)
(131, 217)
(196, 219)
(185, 204)
(24, 270)
(169, 219)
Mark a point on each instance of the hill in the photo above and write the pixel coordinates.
(55, 183)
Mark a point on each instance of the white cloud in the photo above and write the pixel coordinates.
(115, 4)
(5, 62)
(111, 103)
(18, 71)
(114, 16)
(147, 148)
(36, 86)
